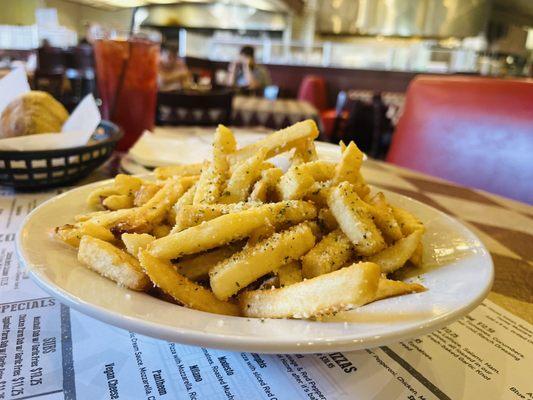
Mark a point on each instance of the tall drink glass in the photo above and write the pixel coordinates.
(126, 73)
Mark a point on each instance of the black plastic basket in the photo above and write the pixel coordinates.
(37, 170)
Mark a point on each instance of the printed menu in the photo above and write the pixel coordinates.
(49, 351)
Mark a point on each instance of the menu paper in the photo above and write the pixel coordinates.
(48, 351)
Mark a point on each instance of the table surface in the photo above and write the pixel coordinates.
(505, 226)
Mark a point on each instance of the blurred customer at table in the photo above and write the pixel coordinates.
(173, 73)
(245, 73)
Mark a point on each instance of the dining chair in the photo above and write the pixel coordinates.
(194, 108)
(51, 82)
(474, 131)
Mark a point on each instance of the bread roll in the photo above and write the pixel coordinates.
(31, 113)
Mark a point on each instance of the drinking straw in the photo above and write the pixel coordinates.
(121, 78)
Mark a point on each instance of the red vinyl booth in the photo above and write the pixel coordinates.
(474, 131)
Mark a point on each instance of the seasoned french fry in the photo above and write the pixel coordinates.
(389, 288)
(127, 184)
(98, 195)
(261, 233)
(295, 183)
(190, 294)
(243, 177)
(290, 274)
(330, 254)
(197, 267)
(209, 185)
(347, 169)
(262, 188)
(72, 234)
(145, 193)
(113, 263)
(118, 202)
(161, 230)
(300, 179)
(384, 217)
(88, 216)
(230, 227)
(231, 275)
(395, 256)
(306, 149)
(327, 220)
(418, 255)
(354, 219)
(277, 142)
(136, 241)
(318, 193)
(340, 290)
(223, 144)
(195, 214)
(407, 221)
(178, 170)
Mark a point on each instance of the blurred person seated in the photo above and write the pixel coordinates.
(173, 73)
(245, 73)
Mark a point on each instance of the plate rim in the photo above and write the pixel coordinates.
(247, 343)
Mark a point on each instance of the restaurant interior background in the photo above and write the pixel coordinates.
(351, 60)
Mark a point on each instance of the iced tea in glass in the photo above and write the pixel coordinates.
(126, 72)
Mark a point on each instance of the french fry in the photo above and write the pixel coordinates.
(72, 234)
(112, 263)
(408, 224)
(330, 254)
(195, 214)
(262, 188)
(318, 193)
(306, 150)
(355, 220)
(384, 217)
(261, 233)
(95, 198)
(233, 274)
(117, 202)
(190, 294)
(395, 256)
(290, 274)
(230, 227)
(243, 177)
(223, 144)
(145, 193)
(295, 183)
(300, 178)
(88, 216)
(347, 169)
(197, 267)
(327, 220)
(127, 184)
(209, 185)
(407, 221)
(136, 241)
(389, 288)
(178, 170)
(277, 142)
(161, 230)
(340, 290)
(417, 258)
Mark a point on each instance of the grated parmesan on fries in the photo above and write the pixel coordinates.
(236, 235)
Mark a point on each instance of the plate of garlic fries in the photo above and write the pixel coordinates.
(247, 253)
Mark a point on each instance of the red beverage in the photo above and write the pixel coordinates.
(126, 72)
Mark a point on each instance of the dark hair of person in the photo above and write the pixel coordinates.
(248, 51)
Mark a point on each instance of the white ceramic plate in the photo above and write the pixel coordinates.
(458, 274)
